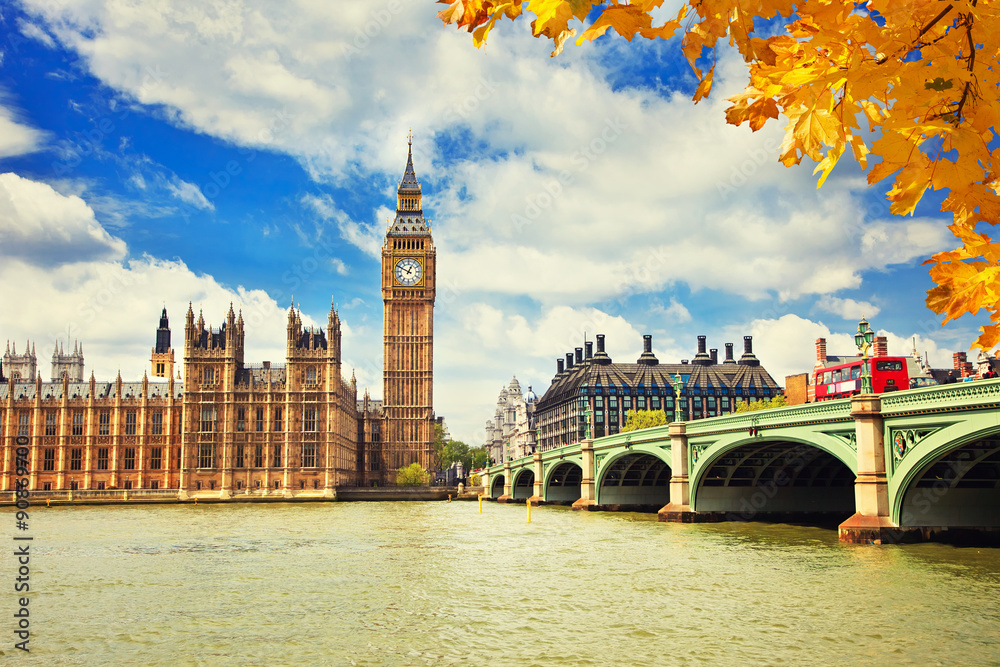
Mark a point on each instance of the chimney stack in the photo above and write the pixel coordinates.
(714, 354)
(748, 358)
(647, 358)
(820, 351)
(560, 367)
(702, 357)
(601, 358)
(569, 360)
(881, 346)
(962, 365)
(589, 349)
(579, 355)
(729, 353)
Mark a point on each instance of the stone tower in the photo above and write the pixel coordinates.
(70, 365)
(408, 285)
(21, 367)
(162, 360)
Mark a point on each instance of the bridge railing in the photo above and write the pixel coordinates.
(793, 414)
(957, 395)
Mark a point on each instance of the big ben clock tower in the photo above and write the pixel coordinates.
(408, 284)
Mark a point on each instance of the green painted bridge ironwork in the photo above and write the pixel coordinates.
(894, 467)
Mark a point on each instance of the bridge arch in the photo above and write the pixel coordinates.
(562, 483)
(634, 478)
(948, 480)
(759, 478)
(524, 484)
(496, 485)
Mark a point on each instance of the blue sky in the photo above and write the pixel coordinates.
(159, 153)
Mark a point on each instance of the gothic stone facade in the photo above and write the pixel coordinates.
(231, 428)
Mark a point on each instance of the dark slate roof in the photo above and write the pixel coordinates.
(373, 405)
(409, 182)
(631, 376)
(409, 223)
(103, 390)
(257, 375)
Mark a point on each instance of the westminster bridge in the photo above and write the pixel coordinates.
(896, 467)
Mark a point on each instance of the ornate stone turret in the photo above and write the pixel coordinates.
(69, 365)
(162, 359)
(22, 367)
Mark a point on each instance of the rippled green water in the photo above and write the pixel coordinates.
(438, 583)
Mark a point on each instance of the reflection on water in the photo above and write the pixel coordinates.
(439, 583)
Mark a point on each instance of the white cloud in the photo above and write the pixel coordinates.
(16, 138)
(83, 290)
(113, 309)
(847, 309)
(676, 312)
(589, 205)
(366, 237)
(339, 266)
(189, 193)
(46, 228)
(32, 31)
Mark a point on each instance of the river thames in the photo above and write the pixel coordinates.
(438, 583)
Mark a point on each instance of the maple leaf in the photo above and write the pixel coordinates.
(625, 19)
(705, 87)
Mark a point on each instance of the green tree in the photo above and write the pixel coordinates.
(412, 475)
(637, 419)
(439, 446)
(763, 404)
(479, 457)
(455, 451)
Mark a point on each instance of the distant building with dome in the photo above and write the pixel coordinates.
(511, 432)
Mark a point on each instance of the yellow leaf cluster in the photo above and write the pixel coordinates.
(922, 74)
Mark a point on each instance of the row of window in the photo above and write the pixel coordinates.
(209, 416)
(206, 457)
(208, 376)
(103, 459)
(255, 455)
(77, 424)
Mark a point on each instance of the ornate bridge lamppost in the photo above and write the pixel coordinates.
(863, 339)
(678, 385)
(587, 414)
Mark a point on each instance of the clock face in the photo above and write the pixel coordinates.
(407, 271)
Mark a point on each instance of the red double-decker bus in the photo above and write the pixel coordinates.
(888, 374)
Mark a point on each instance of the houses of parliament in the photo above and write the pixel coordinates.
(225, 427)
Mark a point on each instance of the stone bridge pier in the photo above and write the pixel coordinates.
(872, 521)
